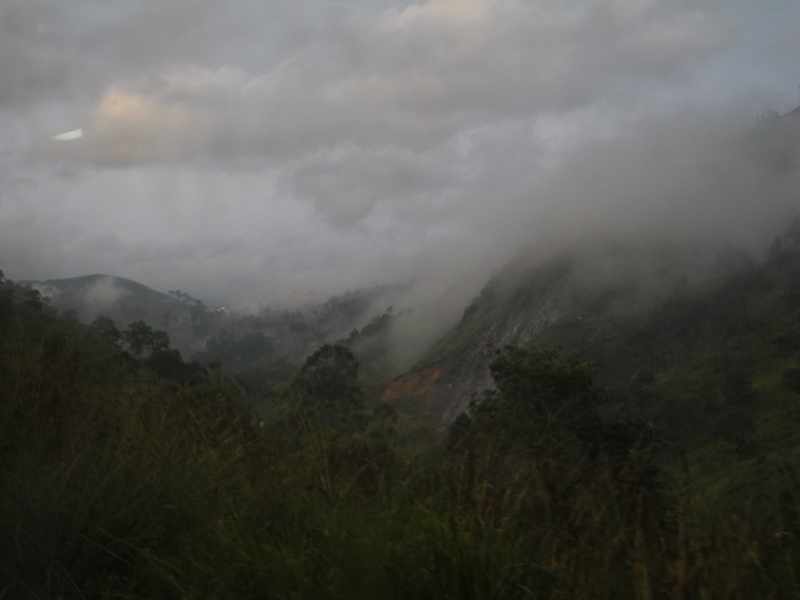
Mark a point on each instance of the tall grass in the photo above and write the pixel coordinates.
(160, 510)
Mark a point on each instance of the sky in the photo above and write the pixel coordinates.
(286, 150)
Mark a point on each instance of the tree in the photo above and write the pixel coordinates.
(106, 330)
(169, 364)
(545, 411)
(186, 299)
(143, 341)
(541, 401)
(329, 388)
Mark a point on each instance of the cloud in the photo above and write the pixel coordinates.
(410, 77)
(346, 182)
(103, 293)
(31, 66)
(444, 218)
(56, 52)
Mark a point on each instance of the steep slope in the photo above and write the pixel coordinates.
(713, 363)
(584, 291)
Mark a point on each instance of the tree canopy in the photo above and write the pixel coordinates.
(329, 387)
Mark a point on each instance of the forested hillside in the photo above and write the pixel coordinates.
(187, 320)
(261, 346)
(666, 471)
(707, 352)
(631, 309)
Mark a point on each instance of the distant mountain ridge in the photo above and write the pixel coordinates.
(262, 347)
(125, 301)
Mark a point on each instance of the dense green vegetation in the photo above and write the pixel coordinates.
(709, 355)
(713, 367)
(127, 473)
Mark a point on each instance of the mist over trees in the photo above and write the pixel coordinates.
(128, 472)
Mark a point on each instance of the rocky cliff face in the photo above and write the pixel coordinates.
(581, 294)
(448, 384)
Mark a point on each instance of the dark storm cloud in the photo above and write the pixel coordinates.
(411, 77)
(52, 51)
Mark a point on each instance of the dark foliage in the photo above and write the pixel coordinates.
(328, 384)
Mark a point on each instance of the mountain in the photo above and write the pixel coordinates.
(703, 345)
(627, 308)
(185, 319)
(262, 347)
(150, 477)
(706, 350)
(586, 289)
